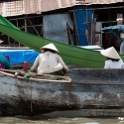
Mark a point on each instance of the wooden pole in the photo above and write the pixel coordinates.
(70, 36)
(25, 23)
(75, 29)
(34, 27)
(17, 26)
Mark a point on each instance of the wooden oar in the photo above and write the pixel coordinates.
(35, 75)
(50, 76)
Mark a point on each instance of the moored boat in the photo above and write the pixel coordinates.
(98, 90)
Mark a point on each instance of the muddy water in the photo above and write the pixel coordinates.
(58, 120)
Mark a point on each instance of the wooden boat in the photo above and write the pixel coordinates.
(96, 92)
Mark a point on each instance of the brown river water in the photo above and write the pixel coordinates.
(40, 119)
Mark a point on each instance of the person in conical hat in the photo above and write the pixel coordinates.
(49, 61)
(51, 47)
(113, 58)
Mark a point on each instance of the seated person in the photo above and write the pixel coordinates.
(5, 62)
(49, 61)
(122, 48)
(113, 59)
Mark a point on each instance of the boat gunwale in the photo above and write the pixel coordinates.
(63, 81)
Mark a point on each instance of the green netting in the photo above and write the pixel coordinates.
(70, 54)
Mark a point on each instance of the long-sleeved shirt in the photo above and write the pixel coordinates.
(109, 64)
(48, 62)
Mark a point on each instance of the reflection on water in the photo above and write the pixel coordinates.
(58, 120)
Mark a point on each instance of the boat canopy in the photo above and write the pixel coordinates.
(71, 54)
(114, 30)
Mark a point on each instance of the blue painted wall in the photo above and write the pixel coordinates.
(81, 23)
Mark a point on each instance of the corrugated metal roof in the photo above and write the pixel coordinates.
(11, 8)
(89, 2)
(20, 7)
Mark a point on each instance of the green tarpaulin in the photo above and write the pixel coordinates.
(70, 54)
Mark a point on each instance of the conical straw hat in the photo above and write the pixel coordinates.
(110, 53)
(50, 46)
(1, 41)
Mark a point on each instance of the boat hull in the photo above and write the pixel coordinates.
(95, 89)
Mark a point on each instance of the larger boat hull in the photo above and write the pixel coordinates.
(96, 89)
